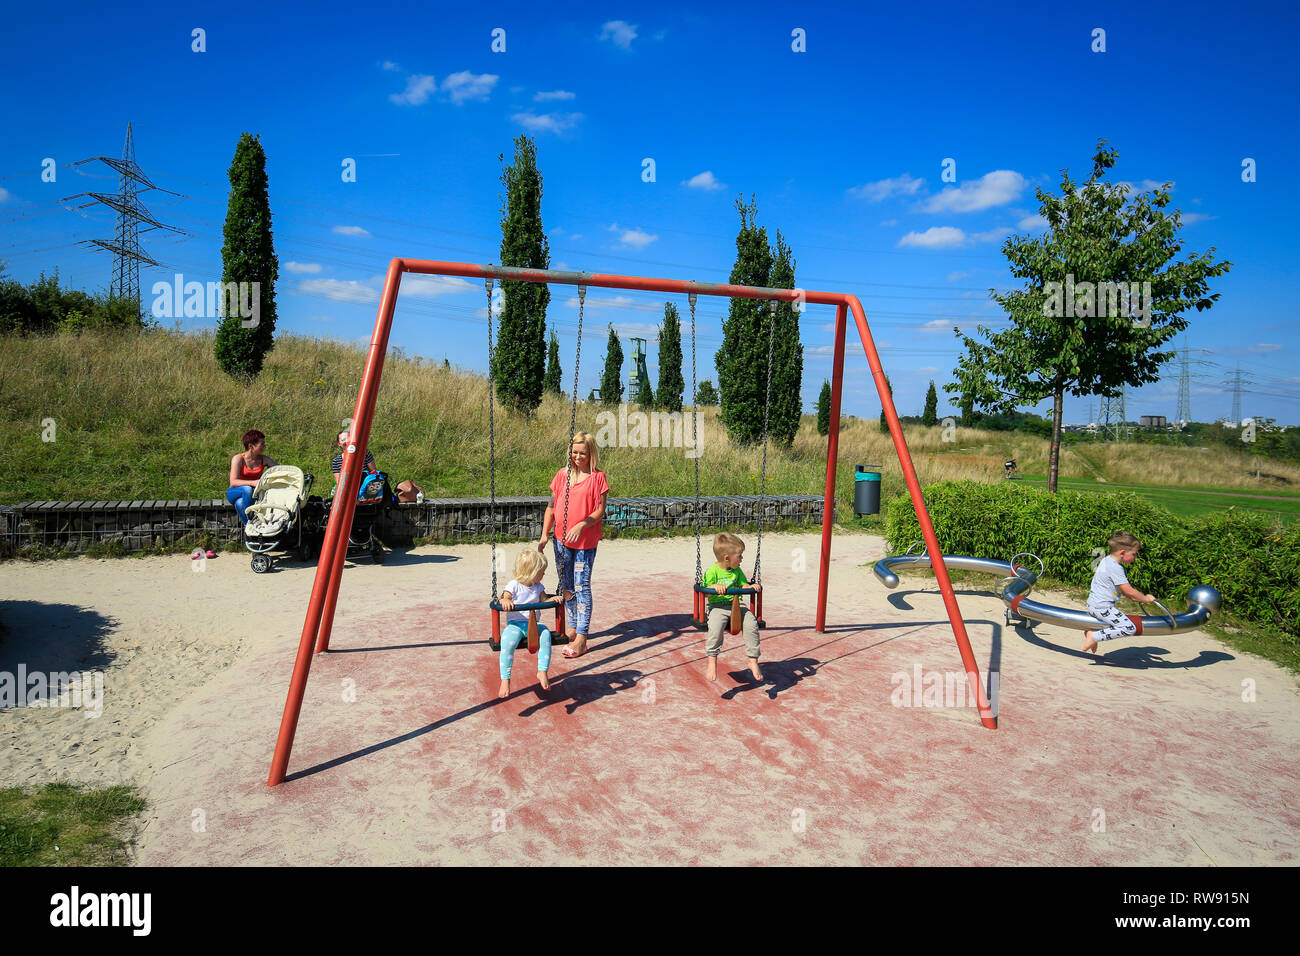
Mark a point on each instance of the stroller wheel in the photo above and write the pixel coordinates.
(261, 563)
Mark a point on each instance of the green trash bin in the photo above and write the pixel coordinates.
(866, 491)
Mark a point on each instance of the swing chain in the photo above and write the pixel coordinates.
(568, 448)
(492, 439)
(767, 407)
(695, 422)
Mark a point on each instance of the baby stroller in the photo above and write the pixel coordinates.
(275, 516)
(374, 495)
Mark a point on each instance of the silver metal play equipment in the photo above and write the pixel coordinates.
(1017, 580)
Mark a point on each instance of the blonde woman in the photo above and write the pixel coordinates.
(578, 532)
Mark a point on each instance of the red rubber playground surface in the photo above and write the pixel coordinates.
(404, 755)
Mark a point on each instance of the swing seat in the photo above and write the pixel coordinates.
(558, 636)
(700, 608)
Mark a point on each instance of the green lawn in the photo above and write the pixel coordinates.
(62, 824)
(1191, 502)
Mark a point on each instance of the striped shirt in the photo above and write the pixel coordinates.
(337, 464)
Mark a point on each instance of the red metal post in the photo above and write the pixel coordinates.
(923, 515)
(832, 460)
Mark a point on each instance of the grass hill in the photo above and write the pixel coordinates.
(149, 415)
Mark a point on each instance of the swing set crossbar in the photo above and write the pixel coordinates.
(324, 595)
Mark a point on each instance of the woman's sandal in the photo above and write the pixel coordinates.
(569, 652)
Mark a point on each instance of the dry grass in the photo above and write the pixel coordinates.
(150, 416)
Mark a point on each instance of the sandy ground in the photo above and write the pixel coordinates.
(1149, 755)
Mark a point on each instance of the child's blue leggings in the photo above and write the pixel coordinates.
(574, 568)
(517, 631)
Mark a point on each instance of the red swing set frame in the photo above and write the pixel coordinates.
(329, 570)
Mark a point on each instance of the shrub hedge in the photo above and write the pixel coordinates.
(1252, 560)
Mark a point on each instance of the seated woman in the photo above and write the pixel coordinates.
(246, 470)
(406, 490)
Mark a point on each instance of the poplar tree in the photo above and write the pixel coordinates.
(824, 410)
(884, 425)
(787, 353)
(672, 385)
(931, 414)
(519, 362)
(247, 256)
(553, 382)
(742, 360)
(611, 381)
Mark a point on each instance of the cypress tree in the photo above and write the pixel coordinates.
(611, 381)
(671, 383)
(742, 360)
(554, 376)
(247, 256)
(824, 410)
(520, 360)
(931, 414)
(645, 395)
(884, 425)
(787, 353)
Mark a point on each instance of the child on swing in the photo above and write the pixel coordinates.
(524, 588)
(1109, 581)
(729, 550)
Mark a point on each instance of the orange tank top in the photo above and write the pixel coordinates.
(248, 474)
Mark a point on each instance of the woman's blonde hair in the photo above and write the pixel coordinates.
(530, 565)
(593, 451)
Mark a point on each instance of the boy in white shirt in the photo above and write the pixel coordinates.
(1108, 582)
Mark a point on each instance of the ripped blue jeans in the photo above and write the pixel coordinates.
(574, 567)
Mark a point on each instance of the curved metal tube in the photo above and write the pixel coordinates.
(1202, 600)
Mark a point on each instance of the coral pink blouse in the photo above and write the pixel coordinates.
(583, 499)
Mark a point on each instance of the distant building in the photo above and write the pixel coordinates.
(1153, 421)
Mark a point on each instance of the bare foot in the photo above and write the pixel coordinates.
(505, 689)
(543, 680)
(753, 668)
(712, 672)
(1089, 645)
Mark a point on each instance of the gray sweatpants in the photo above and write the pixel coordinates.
(1119, 624)
(720, 619)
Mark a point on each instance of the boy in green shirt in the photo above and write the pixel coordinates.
(729, 550)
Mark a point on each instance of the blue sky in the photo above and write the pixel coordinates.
(842, 145)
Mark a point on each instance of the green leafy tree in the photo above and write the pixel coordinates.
(1097, 234)
(824, 410)
(553, 383)
(787, 353)
(645, 395)
(671, 383)
(884, 425)
(742, 360)
(931, 414)
(247, 257)
(611, 381)
(968, 417)
(708, 395)
(519, 363)
(1263, 439)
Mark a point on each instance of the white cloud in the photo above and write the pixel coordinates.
(390, 66)
(338, 290)
(548, 96)
(301, 268)
(882, 189)
(1262, 349)
(547, 122)
(619, 32)
(996, 234)
(465, 85)
(927, 370)
(622, 302)
(418, 89)
(1192, 217)
(818, 351)
(992, 189)
(4, 194)
(890, 222)
(1034, 223)
(635, 238)
(575, 237)
(704, 180)
(936, 237)
(954, 276)
(350, 231)
(430, 287)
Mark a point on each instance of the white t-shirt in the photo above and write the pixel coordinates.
(1105, 583)
(523, 594)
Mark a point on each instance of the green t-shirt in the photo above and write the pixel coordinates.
(716, 574)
